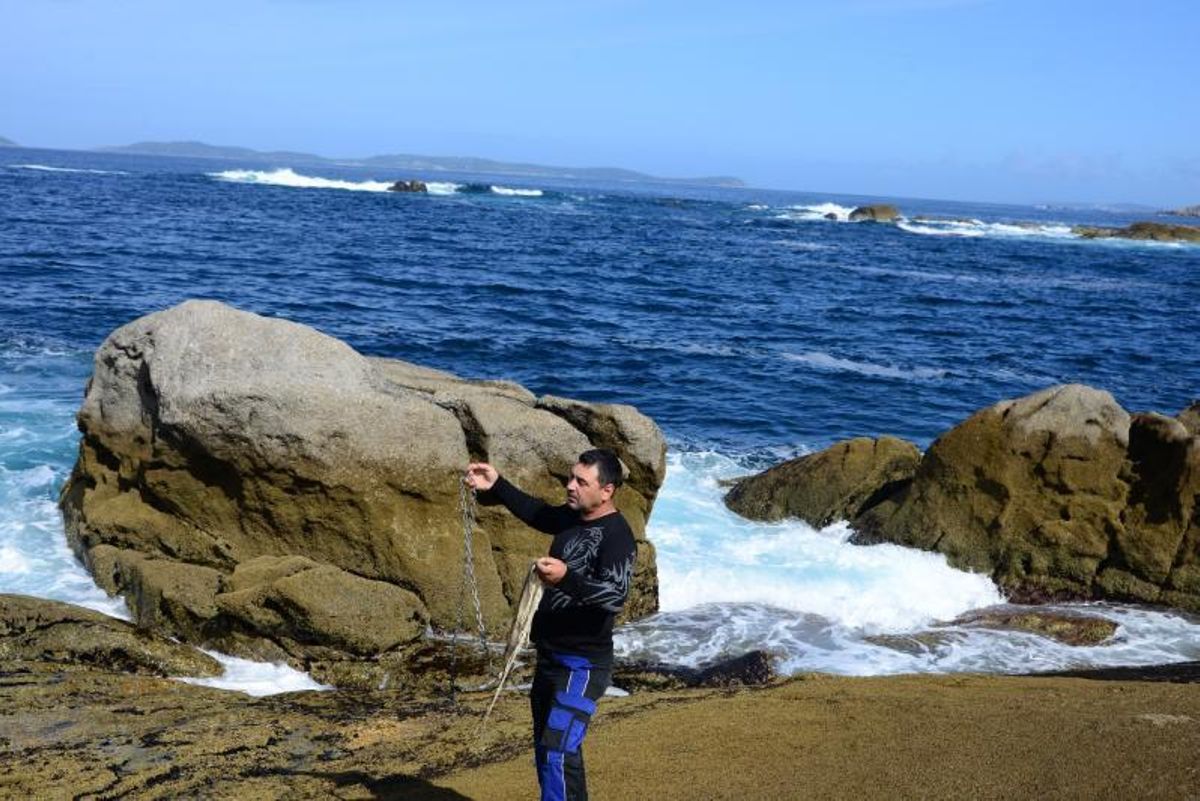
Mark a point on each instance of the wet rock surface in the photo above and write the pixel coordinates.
(838, 483)
(879, 212)
(52, 632)
(747, 670)
(1068, 629)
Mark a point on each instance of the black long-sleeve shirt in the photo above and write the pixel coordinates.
(576, 615)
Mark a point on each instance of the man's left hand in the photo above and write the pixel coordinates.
(551, 570)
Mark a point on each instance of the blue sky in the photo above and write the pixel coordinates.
(1004, 100)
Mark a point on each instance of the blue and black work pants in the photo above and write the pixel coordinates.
(565, 690)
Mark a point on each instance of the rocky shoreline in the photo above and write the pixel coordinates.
(253, 486)
(89, 732)
(1060, 495)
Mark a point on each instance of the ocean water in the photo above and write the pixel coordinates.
(752, 325)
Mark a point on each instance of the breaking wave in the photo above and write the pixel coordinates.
(289, 177)
(48, 168)
(730, 585)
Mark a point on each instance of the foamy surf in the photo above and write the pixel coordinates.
(729, 585)
(289, 177)
(256, 678)
(819, 211)
(932, 226)
(49, 168)
(512, 192)
(824, 361)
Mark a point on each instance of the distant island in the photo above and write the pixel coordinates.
(7, 142)
(408, 162)
(1186, 211)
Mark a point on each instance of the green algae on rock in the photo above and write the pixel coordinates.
(36, 629)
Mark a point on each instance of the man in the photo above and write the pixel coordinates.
(587, 576)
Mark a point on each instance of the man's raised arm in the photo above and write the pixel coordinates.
(530, 510)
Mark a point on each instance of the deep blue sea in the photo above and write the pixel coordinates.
(747, 323)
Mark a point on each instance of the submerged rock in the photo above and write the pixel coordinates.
(39, 630)
(1069, 629)
(1158, 232)
(253, 483)
(879, 212)
(838, 483)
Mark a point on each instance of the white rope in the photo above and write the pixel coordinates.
(518, 634)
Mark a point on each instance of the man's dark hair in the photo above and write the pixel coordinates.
(608, 466)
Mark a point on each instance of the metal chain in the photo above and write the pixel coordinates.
(466, 504)
(466, 501)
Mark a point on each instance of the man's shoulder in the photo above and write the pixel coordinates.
(617, 527)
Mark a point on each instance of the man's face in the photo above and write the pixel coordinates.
(584, 491)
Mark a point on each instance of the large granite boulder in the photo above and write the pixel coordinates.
(252, 482)
(838, 483)
(1061, 494)
(40, 630)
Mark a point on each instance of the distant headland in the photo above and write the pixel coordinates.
(409, 162)
(7, 142)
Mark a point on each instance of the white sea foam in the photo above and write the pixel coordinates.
(825, 361)
(729, 585)
(819, 211)
(289, 177)
(256, 678)
(511, 192)
(933, 226)
(441, 187)
(793, 244)
(48, 168)
(12, 560)
(707, 554)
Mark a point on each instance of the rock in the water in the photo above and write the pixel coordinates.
(38, 630)
(1069, 629)
(878, 212)
(1060, 494)
(411, 185)
(1158, 232)
(214, 439)
(750, 669)
(838, 483)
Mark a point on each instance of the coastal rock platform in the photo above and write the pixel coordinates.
(69, 733)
